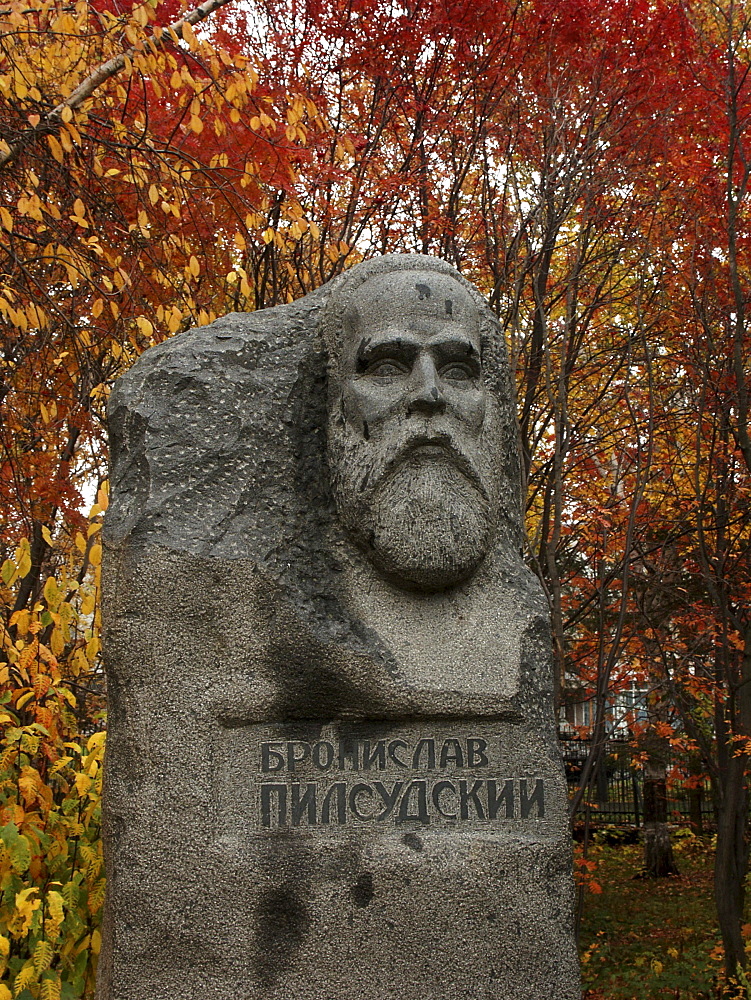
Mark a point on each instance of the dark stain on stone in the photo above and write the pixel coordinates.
(413, 841)
(282, 920)
(423, 290)
(362, 890)
(449, 307)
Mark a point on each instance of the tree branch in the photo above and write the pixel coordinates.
(105, 72)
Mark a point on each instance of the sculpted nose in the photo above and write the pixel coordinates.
(426, 395)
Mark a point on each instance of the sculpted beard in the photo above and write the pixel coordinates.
(425, 517)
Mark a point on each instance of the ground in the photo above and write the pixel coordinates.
(648, 939)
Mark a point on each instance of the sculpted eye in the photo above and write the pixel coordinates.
(458, 372)
(385, 369)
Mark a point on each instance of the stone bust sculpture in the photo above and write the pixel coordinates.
(332, 766)
(413, 428)
(424, 477)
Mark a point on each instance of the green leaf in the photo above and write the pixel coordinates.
(18, 848)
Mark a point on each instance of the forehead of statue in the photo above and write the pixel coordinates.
(407, 300)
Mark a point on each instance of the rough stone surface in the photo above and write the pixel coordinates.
(332, 769)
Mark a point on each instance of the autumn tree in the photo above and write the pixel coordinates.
(582, 161)
(142, 167)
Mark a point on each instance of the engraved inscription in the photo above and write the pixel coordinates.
(325, 779)
(335, 782)
(312, 803)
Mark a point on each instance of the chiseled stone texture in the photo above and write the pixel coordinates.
(332, 769)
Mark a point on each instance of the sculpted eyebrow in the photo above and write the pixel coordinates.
(453, 347)
(453, 344)
(370, 350)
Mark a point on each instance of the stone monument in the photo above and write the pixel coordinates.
(332, 770)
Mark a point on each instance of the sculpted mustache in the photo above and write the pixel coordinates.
(404, 452)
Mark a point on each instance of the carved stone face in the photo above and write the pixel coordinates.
(413, 442)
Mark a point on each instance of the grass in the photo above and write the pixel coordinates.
(649, 939)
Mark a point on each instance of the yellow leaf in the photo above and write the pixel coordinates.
(72, 132)
(45, 530)
(21, 619)
(57, 642)
(23, 700)
(140, 16)
(25, 907)
(96, 942)
(6, 218)
(50, 989)
(43, 955)
(196, 125)
(174, 320)
(97, 307)
(189, 35)
(95, 555)
(55, 905)
(25, 977)
(51, 592)
(83, 784)
(145, 326)
(67, 114)
(69, 697)
(96, 744)
(56, 148)
(194, 266)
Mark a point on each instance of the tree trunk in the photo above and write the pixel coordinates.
(658, 851)
(731, 861)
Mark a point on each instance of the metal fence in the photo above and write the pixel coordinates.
(616, 793)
